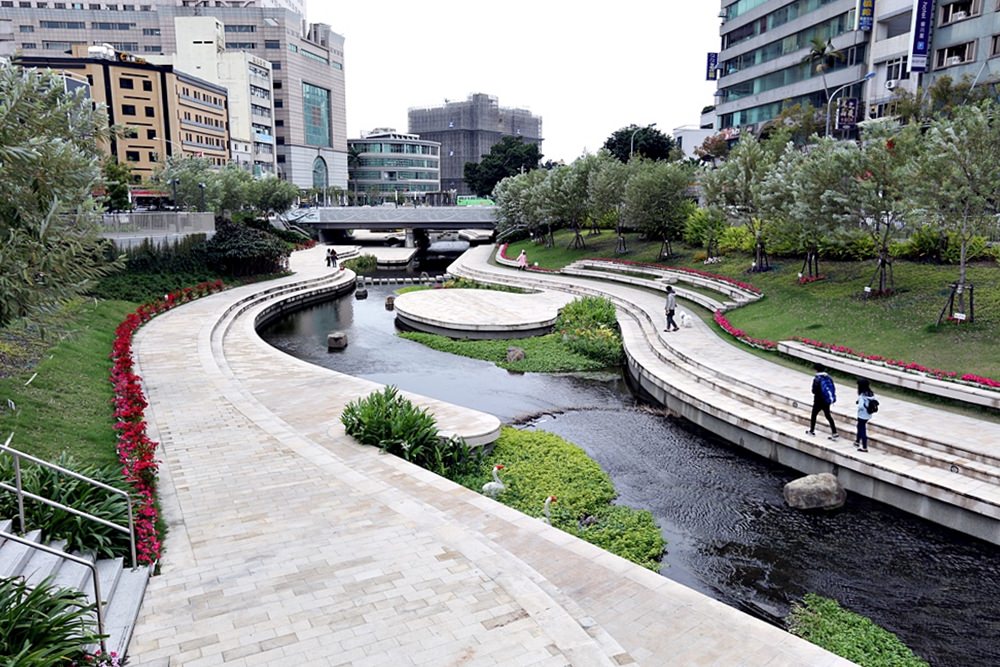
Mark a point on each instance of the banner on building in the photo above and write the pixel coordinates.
(865, 14)
(847, 113)
(712, 67)
(920, 34)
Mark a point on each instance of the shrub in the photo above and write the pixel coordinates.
(538, 464)
(703, 228)
(825, 623)
(238, 250)
(80, 534)
(850, 246)
(736, 239)
(362, 265)
(587, 312)
(589, 326)
(469, 283)
(43, 626)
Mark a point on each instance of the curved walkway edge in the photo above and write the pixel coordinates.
(289, 543)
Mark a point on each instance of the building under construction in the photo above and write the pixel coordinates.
(467, 130)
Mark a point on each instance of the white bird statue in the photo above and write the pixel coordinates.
(548, 517)
(492, 489)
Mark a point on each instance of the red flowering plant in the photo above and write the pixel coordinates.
(531, 267)
(805, 280)
(910, 366)
(698, 272)
(136, 451)
(742, 335)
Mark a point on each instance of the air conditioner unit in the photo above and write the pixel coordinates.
(959, 15)
(891, 84)
(953, 60)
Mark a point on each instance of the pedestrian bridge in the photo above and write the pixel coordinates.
(392, 217)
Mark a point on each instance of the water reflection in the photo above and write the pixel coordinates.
(729, 532)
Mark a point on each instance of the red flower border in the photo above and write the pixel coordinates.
(913, 367)
(741, 335)
(136, 452)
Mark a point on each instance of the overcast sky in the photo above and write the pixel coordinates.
(587, 68)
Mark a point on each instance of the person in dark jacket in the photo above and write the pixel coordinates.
(824, 394)
(670, 306)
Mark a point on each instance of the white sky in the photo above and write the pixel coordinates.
(587, 68)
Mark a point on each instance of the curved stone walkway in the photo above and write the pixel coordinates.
(289, 544)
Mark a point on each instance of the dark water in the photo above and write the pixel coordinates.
(728, 530)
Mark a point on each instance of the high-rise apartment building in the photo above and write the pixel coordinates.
(393, 165)
(309, 112)
(467, 130)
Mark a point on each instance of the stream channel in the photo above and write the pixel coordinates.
(729, 533)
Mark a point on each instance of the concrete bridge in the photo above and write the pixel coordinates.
(391, 217)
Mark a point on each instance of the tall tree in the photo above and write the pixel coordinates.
(736, 188)
(658, 200)
(647, 142)
(606, 191)
(117, 176)
(191, 182)
(271, 195)
(507, 157)
(50, 165)
(961, 157)
(566, 201)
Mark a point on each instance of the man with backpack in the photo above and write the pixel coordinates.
(824, 395)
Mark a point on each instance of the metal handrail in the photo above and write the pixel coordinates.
(22, 494)
(76, 559)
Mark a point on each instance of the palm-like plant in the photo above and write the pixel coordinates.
(354, 160)
(823, 56)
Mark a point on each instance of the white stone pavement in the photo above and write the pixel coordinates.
(289, 544)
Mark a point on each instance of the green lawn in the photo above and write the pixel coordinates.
(832, 310)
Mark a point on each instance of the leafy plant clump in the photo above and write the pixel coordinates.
(539, 464)
(825, 623)
(44, 625)
(542, 354)
(589, 326)
(362, 265)
(469, 283)
(386, 420)
(238, 250)
(80, 534)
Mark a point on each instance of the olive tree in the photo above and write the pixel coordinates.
(50, 165)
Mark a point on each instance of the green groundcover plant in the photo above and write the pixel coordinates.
(539, 464)
(825, 623)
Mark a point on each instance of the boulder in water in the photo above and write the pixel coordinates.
(820, 491)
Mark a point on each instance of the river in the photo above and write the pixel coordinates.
(729, 533)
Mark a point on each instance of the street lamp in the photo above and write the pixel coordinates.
(201, 186)
(829, 102)
(631, 141)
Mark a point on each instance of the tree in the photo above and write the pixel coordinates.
(566, 199)
(117, 176)
(507, 157)
(606, 194)
(823, 57)
(50, 165)
(354, 161)
(713, 149)
(271, 196)
(519, 205)
(231, 189)
(658, 201)
(961, 156)
(736, 188)
(191, 182)
(633, 140)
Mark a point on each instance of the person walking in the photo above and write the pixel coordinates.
(824, 395)
(522, 261)
(867, 404)
(328, 251)
(333, 257)
(670, 306)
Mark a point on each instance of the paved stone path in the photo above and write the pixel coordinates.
(289, 544)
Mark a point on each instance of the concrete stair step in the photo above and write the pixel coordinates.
(122, 610)
(73, 575)
(14, 555)
(42, 564)
(109, 571)
(6, 526)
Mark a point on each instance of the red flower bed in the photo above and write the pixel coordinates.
(805, 280)
(904, 365)
(503, 253)
(136, 452)
(763, 344)
(698, 272)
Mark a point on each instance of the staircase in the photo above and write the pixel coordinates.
(121, 587)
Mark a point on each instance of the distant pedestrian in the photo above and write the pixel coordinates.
(522, 261)
(824, 395)
(867, 405)
(670, 307)
(328, 251)
(333, 257)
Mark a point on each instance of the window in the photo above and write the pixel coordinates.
(995, 46)
(132, 156)
(955, 55)
(147, 85)
(272, 44)
(62, 25)
(107, 25)
(896, 69)
(28, 45)
(151, 32)
(27, 28)
(150, 112)
(151, 134)
(959, 11)
(279, 104)
(126, 83)
(128, 109)
(279, 123)
(241, 45)
(152, 48)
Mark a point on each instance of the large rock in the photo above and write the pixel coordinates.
(515, 354)
(821, 491)
(336, 340)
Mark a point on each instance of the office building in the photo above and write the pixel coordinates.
(164, 111)
(309, 112)
(467, 130)
(394, 166)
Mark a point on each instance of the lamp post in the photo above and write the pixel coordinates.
(201, 186)
(829, 102)
(631, 141)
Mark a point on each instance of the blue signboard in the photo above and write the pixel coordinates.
(712, 67)
(865, 14)
(920, 34)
